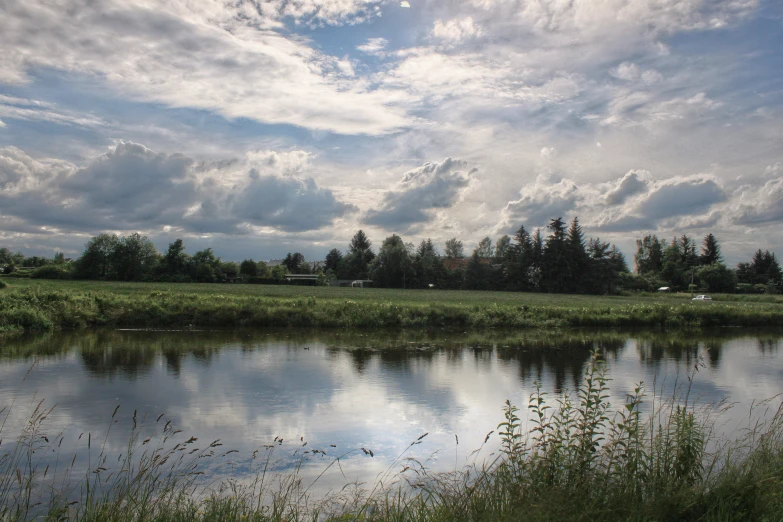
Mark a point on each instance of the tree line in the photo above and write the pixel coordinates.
(558, 259)
(679, 265)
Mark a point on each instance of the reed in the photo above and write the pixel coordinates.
(580, 458)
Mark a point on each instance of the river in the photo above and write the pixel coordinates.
(361, 396)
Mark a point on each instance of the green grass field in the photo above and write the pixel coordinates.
(31, 304)
(451, 297)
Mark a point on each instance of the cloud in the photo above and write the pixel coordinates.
(630, 108)
(220, 56)
(631, 72)
(374, 46)
(432, 186)
(33, 110)
(456, 29)
(634, 182)
(650, 203)
(134, 188)
(757, 206)
(19, 172)
(635, 201)
(681, 196)
(542, 201)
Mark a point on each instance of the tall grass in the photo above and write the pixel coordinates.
(52, 307)
(579, 458)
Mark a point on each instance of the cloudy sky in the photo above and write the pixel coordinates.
(259, 127)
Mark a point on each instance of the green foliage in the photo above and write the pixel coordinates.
(710, 252)
(762, 269)
(356, 264)
(333, 259)
(454, 249)
(393, 266)
(249, 268)
(484, 248)
(53, 272)
(716, 277)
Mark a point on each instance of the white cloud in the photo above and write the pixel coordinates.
(634, 182)
(374, 46)
(456, 29)
(207, 55)
(34, 110)
(626, 71)
(547, 198)
(756, 206)
(432, 186)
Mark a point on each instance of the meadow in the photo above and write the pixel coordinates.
(34, 304)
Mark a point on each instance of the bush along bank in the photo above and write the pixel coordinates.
(30, 309)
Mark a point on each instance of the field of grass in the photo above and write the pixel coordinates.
(578, 462)
(30, 304)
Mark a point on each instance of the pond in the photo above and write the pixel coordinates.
(364, 397)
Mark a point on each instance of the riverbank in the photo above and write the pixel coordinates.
(53, 305)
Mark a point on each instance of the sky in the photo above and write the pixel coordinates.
(261, 127)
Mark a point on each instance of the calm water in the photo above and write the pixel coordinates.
(344, 391)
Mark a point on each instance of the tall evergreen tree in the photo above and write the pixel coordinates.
(356, 264)
(359, 243)
(555, 265)
(478, 273)
(577, 257)
(521, 261)
(332, 261)
(710, 251)
(427, 265)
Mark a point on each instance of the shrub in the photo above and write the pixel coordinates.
(51, 272)
(3, 284)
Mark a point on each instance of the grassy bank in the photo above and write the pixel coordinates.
(579, 460)
(47, 305)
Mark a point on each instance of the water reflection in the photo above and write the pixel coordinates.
(352, 389)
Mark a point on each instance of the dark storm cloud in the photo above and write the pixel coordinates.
(432, 186)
